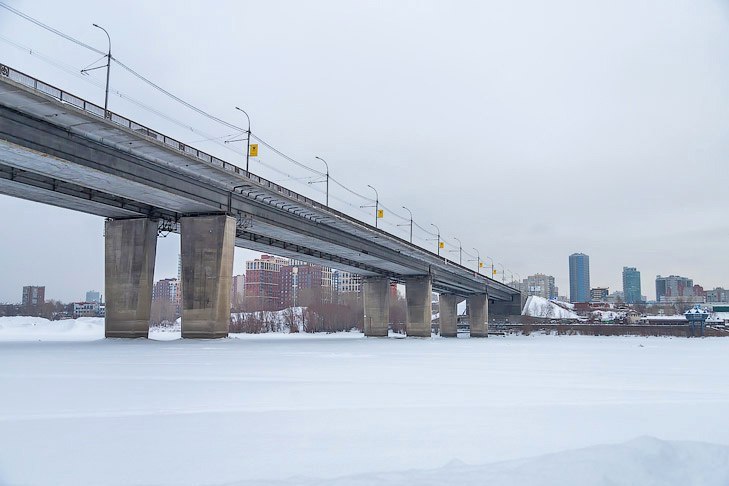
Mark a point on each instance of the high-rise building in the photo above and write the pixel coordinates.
(263, 283)
(93, 296)
(631, 285)
(674, 288)
(33, 299)
(167, 290)
(540, 285)
(579, 277)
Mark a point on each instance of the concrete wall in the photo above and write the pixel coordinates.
(448, 315)
(418, 314)
(130, 251)
(478, 306)
(208, 243)
(376, 296)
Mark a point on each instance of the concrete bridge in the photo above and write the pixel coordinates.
(59, 149)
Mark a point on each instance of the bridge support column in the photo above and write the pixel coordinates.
(448, 304)
(376, 292)
(418, 316)
(208, 243)
(130, 251)
(478, 306)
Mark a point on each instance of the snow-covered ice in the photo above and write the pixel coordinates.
(344, 410)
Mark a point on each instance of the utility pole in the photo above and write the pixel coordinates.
(376, 206)
(438, 230)
(327, 180)
(108, 70)
(411, 223)
(248, 137)
(460, 251)
(478, 260)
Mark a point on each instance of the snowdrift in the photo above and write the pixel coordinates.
(24, 328)
(540, 307)
(644, 461)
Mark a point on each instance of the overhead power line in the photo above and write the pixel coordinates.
(208, 137)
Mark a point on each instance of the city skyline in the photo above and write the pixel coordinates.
(168, 263)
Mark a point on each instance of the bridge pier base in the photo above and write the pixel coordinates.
(208, 243)
(130, 251)
(418, 316)
(448, 305)
(376, 293)
(478, 306)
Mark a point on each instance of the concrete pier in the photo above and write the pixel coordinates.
(418, 316)
(130, 251)
(448, 304)
(207, 275)
(376, 293)
(478, 306)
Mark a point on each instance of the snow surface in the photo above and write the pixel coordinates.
(536, 306)
(345, 410)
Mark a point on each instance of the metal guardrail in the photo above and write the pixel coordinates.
(96, 110)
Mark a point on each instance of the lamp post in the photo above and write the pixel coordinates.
(377, 203)
(492, 265)
(248, 137)
(411, 223)
(108, 70)
(438, 230)
(327, 166)
(503, 273)
(460, 251)
(478, 260)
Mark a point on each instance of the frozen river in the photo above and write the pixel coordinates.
(278, 406)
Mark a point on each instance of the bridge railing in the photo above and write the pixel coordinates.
(96, 110)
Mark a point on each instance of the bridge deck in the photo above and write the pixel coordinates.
(58, 149)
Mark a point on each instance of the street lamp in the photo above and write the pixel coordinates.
(411, 223)
(327, 180)
(460, 251)
(108, 69)
(437, 229)
(492, 266)
(248, 137)
(503, 273)
(478, 260)
(377, 204)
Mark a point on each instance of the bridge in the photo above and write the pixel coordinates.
(59, 149)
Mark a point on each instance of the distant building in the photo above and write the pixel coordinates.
(617, 297)
(263, 283)
(579, 277)
(540, 285)
(33, 299)
(674, 288)
(87, 309)
(718, 294)
(93, 296)
(631, 285)
(301, 285)
(599, 294)
(346, 282)
(238, 292)
(168, 290)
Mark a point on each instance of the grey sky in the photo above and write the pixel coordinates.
(530, 130)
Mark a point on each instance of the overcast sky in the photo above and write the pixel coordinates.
(528, 129)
